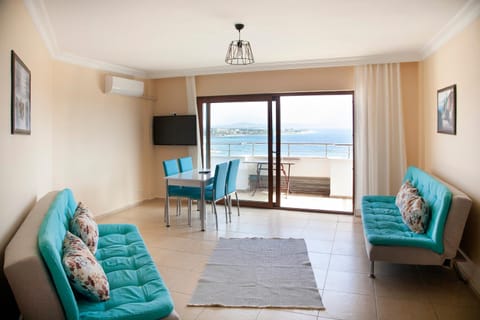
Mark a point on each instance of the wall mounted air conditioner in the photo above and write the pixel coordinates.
(123, 86)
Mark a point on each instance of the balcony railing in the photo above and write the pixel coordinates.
(290, 149)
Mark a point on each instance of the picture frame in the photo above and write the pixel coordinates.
(21, 96)
(447, 110)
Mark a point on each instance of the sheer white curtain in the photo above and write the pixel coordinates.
(380, 157)
(194, 152)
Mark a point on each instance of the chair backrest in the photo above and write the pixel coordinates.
(170, 167)
(231, 184)
(185, 164)
(219, 180)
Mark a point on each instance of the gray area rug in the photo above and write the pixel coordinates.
(258, 273)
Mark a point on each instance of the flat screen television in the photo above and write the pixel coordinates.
(175, 130)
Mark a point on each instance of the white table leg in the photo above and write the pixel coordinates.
(167, 206)
(202, 208)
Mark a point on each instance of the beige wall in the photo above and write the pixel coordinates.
(26, 160)
(456, 158)
(319, 79)
(102, 142)
(99, 145)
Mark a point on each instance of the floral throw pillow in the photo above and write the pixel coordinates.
(84, 226)
(86, 275)
(414, 209)
(405, 192)
(415, 214)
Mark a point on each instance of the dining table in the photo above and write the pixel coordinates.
(195, 178)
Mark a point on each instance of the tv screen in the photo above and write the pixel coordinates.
(175, 130)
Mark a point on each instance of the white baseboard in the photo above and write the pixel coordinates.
(470, 272)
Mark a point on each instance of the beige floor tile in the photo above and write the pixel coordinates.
(400, 287)
(451, 293)
(447, 312)
(319, 246)
(403, 309)
(320, 276)
(228, 313)
(349, 236)
(345, 263)
(349, 282)
(179, 280)
(348, 248)
(348, 306)
(319, 260)
(186, 313)
(269, 314)
(321, 234)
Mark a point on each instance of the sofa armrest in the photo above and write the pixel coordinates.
(26, 272)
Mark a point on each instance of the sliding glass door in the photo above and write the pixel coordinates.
(312, 134)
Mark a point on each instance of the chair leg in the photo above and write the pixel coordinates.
(238, 203)
(215, 211)
(189, 212)
(179, 206)
(372, 270)
(229, 201)
(225, 203)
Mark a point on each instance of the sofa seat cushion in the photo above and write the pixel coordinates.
(136, 289)
(383, 225)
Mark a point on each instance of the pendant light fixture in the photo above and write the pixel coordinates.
(239, 51)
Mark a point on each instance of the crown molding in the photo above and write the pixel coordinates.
(469, 12)
(40, 18)
(288, 65)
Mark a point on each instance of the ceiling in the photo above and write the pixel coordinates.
(164, 38)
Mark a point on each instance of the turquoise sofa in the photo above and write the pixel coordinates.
(137, 290)
(387, 238)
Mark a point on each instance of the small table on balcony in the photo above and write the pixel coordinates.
(263, 166)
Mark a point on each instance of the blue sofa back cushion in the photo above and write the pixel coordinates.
(50, 240)
(136, 289)
(383, 222)
(438, 197)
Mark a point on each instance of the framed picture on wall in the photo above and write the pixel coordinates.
(447, 110)
(21, 102)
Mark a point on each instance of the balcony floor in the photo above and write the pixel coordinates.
(303, 201)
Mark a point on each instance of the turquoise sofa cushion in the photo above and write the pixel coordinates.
(136, 289)
(383, 223)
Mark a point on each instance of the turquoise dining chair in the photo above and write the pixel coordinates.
(231, 185)
(215, 191)
(185, 164)
(170, 167)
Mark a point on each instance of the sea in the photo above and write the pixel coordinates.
(322, 143)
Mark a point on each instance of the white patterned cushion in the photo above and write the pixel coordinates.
(84, 226)
(415, 214)
(414, 210)
(405, 192)
(86, 275)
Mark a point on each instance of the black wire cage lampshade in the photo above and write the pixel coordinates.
(239, 51)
